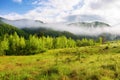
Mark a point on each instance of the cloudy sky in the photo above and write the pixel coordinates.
(62, 10)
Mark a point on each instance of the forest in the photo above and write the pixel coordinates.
(17, 45)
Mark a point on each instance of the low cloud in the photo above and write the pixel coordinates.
(87, 30)
(83, 18)
(82, 30)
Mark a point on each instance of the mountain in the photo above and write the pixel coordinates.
(89, 24)
(21, 23)
(27, 27)
(9, 29)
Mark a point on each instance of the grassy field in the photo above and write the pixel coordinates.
(84, 63)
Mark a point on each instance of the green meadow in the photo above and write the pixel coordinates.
(99, 62)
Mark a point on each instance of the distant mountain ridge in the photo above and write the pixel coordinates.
(21, 23)
(26, 27)
(90, 24)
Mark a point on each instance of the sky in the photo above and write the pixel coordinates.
(51, 11)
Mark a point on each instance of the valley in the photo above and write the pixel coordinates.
(59, 39)
(44, 53)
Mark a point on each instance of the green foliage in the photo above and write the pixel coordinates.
(4, 46)
(33, 45)
(49, 32)
(71, 43)
(101, 40)
(61, 42)
(18, 45)
(85, 42)
(47, 42)
(13, 43)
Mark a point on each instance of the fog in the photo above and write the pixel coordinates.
(78, 30)
(83, 30)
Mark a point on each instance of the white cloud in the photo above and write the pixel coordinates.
(13, 16)
(18, 1)
(107, 9)
(54, 10)
(58, 10)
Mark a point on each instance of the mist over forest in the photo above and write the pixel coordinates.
(95, 28)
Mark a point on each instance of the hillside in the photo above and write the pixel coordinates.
(49, 32)
(9, 29)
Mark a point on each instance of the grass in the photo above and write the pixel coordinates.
(84, 63)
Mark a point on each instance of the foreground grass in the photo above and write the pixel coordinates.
(85, 63)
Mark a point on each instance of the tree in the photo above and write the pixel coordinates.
(100, 40)
(71, 43)
(48, 42)
(4, 46)
(32, 45)
(21, 46)
(13, 44)
(91, 42)
(78, 43)
(60, 42)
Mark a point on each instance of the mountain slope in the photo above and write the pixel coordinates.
(9, 29)
(49, 32)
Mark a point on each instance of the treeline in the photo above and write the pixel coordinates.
(16, 45)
